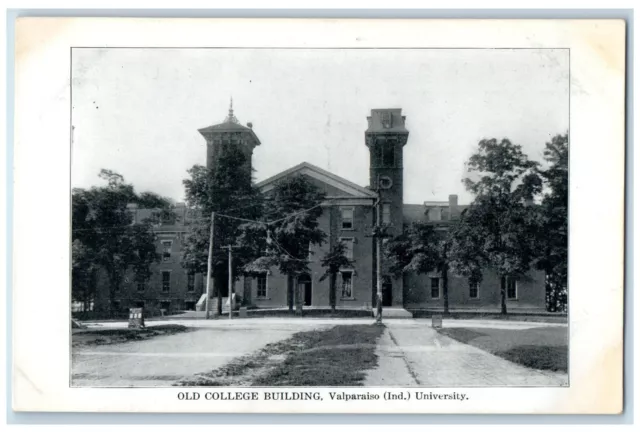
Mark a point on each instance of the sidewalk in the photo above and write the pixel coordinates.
(420, 356)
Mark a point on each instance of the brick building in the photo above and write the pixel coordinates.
(349, 214)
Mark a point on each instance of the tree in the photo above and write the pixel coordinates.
(228, 191)
(291, 217)
(84, 270)
(422, 248)
(499, 228)
(334, 260)
(553, 244)
(105, 236)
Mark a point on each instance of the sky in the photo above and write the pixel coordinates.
(138, 111)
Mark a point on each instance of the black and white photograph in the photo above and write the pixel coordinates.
(319, 217)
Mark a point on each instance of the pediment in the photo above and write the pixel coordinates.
(333, 185)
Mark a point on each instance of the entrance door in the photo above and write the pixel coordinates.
(304, 286)
(387, 294)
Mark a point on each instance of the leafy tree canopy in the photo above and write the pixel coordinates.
(500, 227)
(105, 235)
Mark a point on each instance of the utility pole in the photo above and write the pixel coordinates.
(209, 266)
(379, 259)
(377, 233)
(230, 247)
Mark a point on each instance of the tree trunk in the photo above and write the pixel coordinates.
(85, 295)
(503, 294)
(217, 287)
(298, 299)
(113, 288)
(290, 292)
(112, 300)
(332, 292)
(445, 287)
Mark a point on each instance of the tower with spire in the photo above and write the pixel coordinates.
(230, 132)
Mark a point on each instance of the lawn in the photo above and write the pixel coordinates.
(121, 335)
(339, 356)
(543, 348)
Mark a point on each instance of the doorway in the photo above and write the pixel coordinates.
(304, 287)
(387, 294)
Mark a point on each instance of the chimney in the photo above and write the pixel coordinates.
(453, 206)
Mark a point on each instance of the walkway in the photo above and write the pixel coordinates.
(164, 360)
(414, 354)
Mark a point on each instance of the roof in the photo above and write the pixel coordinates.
(318, 173)
(413, 213)
(230, 123)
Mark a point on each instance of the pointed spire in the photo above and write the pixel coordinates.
(231, 118)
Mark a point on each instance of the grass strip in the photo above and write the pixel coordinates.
(543, 348)
(91, 337)
(338, 356)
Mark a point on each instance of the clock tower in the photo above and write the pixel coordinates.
(385, 137)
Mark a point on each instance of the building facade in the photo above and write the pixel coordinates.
(349, 214)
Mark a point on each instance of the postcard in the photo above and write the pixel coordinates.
(319, 216)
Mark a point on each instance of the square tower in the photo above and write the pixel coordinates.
(385, 137)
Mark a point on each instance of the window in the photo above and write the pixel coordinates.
(141, 286)
(388, 157)
(474, 290)
(166, 281)
(512, 288)
(386, 213)
(166, 250)
(347, 284)
(348, 250)
(347, 218)
(191, 282)
(435, 288)
(262, 286)
(168, 218)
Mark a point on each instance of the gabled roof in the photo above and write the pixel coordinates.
(340, 183)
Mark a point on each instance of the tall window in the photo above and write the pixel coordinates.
(262, 286)
(141, 286)
(347, 284)
(347, 218)
(512, 288)
(474, 290)
(191, 282)
(388, 156)
(166, 250)
(435, 288)
(386, 213)
(385, 154)
(166, 281)
(348, 247)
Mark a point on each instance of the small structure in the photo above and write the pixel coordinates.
(436, 321)
(136, 318)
